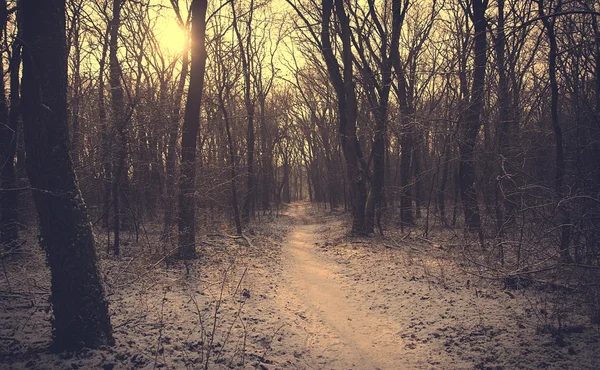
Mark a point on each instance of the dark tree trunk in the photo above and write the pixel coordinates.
(595, 126)
(246, 56)
(406, 209)
(407, 138)
(232, 170)
(565, 228)
(191, 126)
(248, 209)
(416, 175)
(266, 157)
(76, 87)
(347, 106)
(443, 183)
(506, 207)
(376, 195)
(9, 230)
(106, 137)
(80, 310)
(285, 184)
(380, 107)
(119, 122)
(472, 121)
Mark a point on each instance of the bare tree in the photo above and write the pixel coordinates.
(9, 231)
(119, 123)
(343, 82)
(191, 125)
(473, 118)
(565, 228)
(80, 310)
(244, 44)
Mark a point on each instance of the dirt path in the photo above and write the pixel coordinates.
(322, 301)
(341, 332)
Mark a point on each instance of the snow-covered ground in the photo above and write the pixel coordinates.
(298, 293)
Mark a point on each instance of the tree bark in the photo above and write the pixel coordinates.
(407, 138)
(379, 105)
(347, 106)
(119, 122)
(232, 169)
(74, 105)
(246, 56)
(9, 230)
(565, 228)
(191, 125)
(106, 137)
(472, 121)
(506, 207)
(79, 307)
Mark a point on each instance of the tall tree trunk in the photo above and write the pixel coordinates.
(106, 136)
(565, 228)
(506, 206)
(406, 186)
(76, 87)
(285, 183)
(595, 128)
(9, 230)
(380, 108)
(407, 138)
(246, 56)
(266, 157)
(80, 310)
(347, 108)
(191, 126)
(443, 182)
(416, 175)
(472, 121)
(119, 123)
(232, 170)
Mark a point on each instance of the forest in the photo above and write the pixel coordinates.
(300, 184)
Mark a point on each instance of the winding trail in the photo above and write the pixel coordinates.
(342, 333)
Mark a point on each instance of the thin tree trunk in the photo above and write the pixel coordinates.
(407, 138)
(119, 123)
(266, 157)
(443, 183)
(232, 170)
(418, 183)
(74, 106)
(565, 228)
(106, 137)
(506, 208)
(406, 209)
(246, 56)
(79, 308)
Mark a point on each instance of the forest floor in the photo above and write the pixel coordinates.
(299, 293)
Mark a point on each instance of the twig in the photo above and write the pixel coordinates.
(149, 269)
(237, 315)
(269, 345)
(248, 241)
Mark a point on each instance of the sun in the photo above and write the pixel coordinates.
(170, 36)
